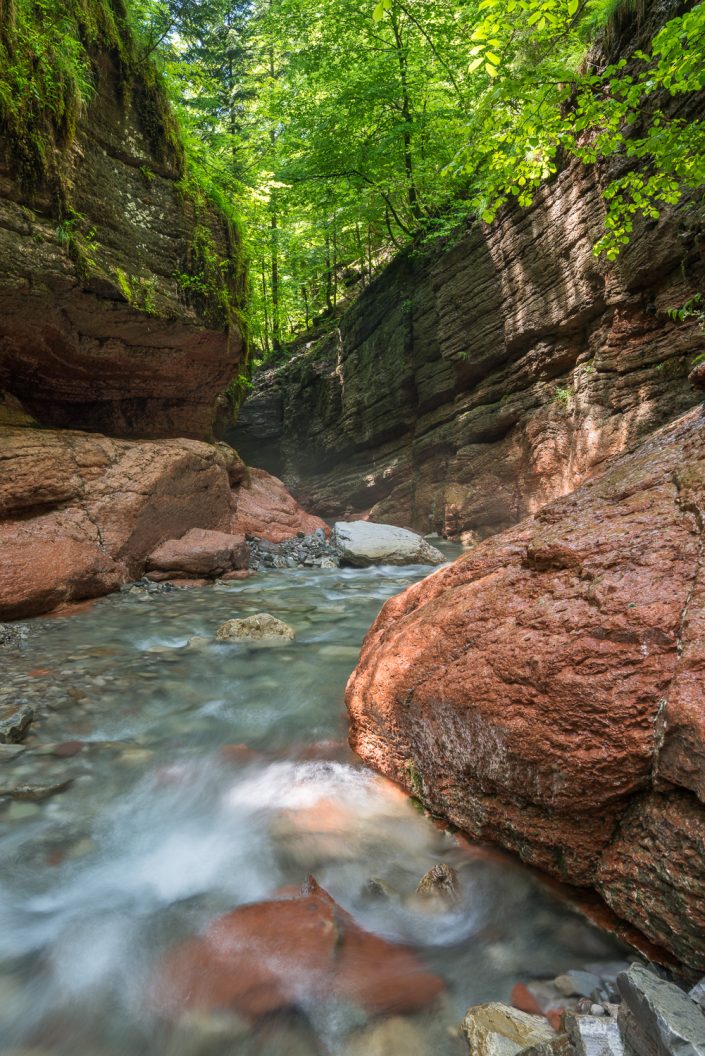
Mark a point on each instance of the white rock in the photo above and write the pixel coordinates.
(362, 543)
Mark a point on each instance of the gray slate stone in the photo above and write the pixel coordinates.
(657, 1018)
(594, 1035)
(560, 1045)
(14, 725)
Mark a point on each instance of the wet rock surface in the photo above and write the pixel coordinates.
(300, 551)
(520, 692)
(260, 628)
(497, 1030)
(273, 955)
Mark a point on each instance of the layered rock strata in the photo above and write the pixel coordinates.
(119, 280)
(472, 384)
(545, 691)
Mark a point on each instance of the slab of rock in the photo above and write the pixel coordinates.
(594, 1035)
(697, 993)
(79, 513)
(519, 692)
(260, 628)
(498, 1030)
(14, 723)
(362, 543)
(286, 953)
(657, 1018)
(200, 553)
(266, 510)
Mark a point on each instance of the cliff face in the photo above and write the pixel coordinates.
(470, 385)
(112, 317)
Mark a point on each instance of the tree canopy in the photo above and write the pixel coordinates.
(341, 130)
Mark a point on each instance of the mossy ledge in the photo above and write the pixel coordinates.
(121, 276)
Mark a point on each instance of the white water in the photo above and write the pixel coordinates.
(162, 831)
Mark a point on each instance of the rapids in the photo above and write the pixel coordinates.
(208, 776)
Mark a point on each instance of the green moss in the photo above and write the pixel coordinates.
(137, 291)
(49, 55)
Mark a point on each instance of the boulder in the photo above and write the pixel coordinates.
(520, 691)
(266, 510)
(259, 628)
(498, 1030)
(657, 1018)
(287, 953)
(80, 513)
(362, 543)
(199, 553)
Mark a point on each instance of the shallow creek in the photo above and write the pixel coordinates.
(164, 828)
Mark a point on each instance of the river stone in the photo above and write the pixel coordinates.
(439, 887)
(362, 543)
(259, 628)
(657, 1018)
(14, 723)
(498, 1030)
(594, 1035)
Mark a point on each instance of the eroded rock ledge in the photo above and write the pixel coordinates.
(545, 691)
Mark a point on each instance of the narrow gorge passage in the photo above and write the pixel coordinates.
(205, 776)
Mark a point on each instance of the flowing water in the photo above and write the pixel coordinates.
(208, 776)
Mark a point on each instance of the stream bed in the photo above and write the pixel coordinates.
(205, 776)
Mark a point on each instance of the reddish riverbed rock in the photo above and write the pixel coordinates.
(199, 553)
(80, 512)
(520, 692)
(287, 953)
(266, 509)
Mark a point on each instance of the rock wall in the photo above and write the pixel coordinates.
(109, 318)
(472, 384)
(545, 691)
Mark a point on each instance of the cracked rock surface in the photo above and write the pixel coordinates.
(544, 691)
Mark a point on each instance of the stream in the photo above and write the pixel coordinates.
(206, 776)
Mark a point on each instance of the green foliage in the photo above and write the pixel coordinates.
(79, 239)
(139, 292)
(562, 397)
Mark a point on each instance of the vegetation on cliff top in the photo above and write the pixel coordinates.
(348, 128)
(344, 129)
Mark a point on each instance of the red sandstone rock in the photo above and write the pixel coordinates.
(266, 509)
(199, 553)
(79, 513)
(520, 691)
(287, 953)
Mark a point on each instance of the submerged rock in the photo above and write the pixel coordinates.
(14, 723)
(260, 628)
(361, 543)
(286, 953)
(35, 793)
(395, 1036)
(498, 1030)
(13, 633)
